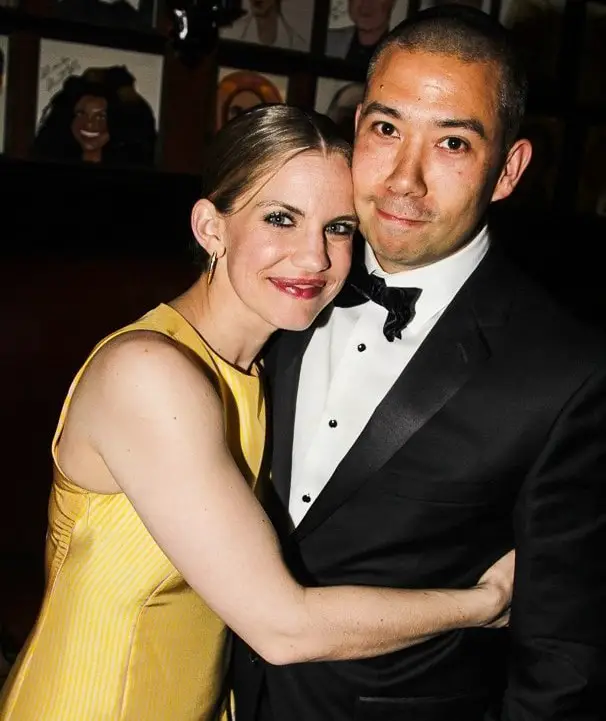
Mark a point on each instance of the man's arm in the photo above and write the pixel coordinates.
(558, 624)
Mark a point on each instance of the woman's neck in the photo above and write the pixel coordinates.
(219, 316)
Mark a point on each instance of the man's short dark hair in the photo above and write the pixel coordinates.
(472, 36)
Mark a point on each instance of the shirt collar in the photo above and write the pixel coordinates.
(439, 281)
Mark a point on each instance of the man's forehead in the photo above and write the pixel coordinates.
(400, 68)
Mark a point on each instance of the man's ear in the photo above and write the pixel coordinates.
(208, 227)
(517, 161)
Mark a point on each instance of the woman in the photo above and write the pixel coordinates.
(98, 117)
(160, 437)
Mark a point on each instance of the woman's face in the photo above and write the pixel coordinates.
(288, 250)
(89, 125)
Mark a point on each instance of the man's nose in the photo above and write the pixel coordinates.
(408, 174)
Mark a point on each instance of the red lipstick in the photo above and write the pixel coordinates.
(302, 288)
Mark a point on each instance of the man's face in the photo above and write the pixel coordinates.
(368, 15)
(427, 155)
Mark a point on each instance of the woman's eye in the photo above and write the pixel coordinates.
(278, 219)
(455, 145)
(346, 229)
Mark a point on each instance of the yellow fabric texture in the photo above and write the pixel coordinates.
(120, 635)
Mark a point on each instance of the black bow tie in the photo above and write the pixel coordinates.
(361, 287)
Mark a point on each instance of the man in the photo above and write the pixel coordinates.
(420, 452)
(357, 42)
(264, 23)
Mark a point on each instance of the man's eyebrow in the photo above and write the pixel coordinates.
(472, 124)
(376, 107)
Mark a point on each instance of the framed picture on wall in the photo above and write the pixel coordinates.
(238, 90)
(592, 185)
(484, 5)
(274, 23)
(339, 99)
(537, 29)
(537, 185)
(355, 27)
(3, 77)
(97, 104)
(134, 14)
(592, 85)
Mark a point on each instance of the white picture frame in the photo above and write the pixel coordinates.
(60, 59)
(283, 24)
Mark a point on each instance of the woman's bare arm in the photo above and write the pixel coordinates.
(156, 421)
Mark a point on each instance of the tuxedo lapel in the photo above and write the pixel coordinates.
(449, 356)
(285, 370)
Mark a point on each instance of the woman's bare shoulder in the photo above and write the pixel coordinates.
(148, 367)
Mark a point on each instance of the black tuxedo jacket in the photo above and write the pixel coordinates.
(494, 436)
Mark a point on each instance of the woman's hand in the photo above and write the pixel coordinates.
(496, 585)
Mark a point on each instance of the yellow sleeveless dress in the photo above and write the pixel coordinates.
(120, 635)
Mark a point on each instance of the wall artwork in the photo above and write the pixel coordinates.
(592, 185)
(339, 99)
(239, 90)
(537, 185)
(536, 26)
(3, 76)
(134, 14)
(592, 86)
(97, 104)
(484, 5)
(274, 23)
(357, 26)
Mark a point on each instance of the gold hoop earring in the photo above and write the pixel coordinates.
(211, 268)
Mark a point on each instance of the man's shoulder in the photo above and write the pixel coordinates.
(547, 316)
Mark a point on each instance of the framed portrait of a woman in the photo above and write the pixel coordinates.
(97, 104)
(238, 90)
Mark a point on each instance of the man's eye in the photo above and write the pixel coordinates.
(454, 144)
(278, 219)
(383, 128)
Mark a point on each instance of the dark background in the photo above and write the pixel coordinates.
(86, 249)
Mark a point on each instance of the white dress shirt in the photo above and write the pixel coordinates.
(349, 366)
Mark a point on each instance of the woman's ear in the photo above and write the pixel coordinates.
(208, 227)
